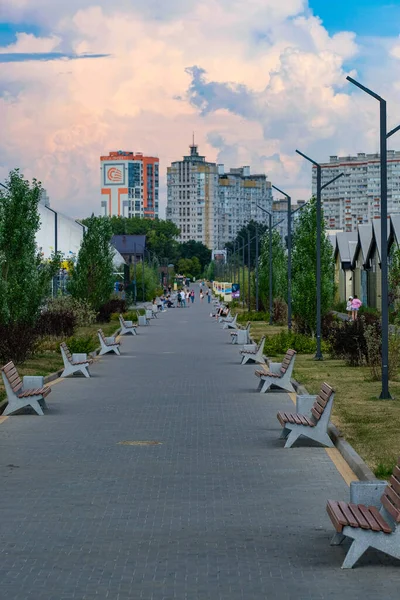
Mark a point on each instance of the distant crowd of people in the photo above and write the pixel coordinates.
(184, 297)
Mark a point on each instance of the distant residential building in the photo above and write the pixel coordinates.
(129, 185)
(355, 198)
(211, 206)
(239, 193)
(192, 201)
(279, 215)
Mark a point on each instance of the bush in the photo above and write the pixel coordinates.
(348, 340)
(253, 316)
(280, 311)
(83, 313)
(281, 342)
(115, 305)
(130, 315)
(81, 344)
(17, 342)
(60, 323)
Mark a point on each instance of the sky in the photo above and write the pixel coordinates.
(254, 80)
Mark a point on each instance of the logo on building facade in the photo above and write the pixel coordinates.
(114, 174)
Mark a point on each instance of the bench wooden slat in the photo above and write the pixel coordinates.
(318, 408)
(315, 413)
(395, 483)
(327, 389)
(359, 516)
(369, 518)
(394, 499)
(351, 519)
(386, 503)
(9, 367)
(338, 519)
(380, 520)
(321, 401)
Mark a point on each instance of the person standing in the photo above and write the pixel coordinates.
(192, 296)
(183, 299)
(355, 307)
(179, 298)
(348, 307)
(187, 297)
(208, 296)
(201, 295)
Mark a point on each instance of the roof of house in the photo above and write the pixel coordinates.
(129, 244)
(346, 243)
(376, 225)
(395, 220)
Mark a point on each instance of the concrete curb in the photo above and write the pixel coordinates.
(354, 460)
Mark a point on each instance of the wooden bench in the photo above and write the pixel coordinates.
(311, 418)
(74, 363)
(108, 344)
(255, 355)
(241, 336)
(30, 391)
(278, 374)
(369, 526)
(127, 326)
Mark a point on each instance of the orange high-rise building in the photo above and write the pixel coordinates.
(129, 185)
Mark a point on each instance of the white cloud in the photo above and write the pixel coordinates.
(269, 78)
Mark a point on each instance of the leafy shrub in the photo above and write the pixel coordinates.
(17, 342)
(348, 341)
(281, 342)
(115, 305)
(81, 344)
(82, 310)
(59, 323)
(280, 311)
(340, 306)
(253, 316)
(130, 315)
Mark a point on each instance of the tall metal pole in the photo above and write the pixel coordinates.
(249, 265)
(320, 187)
(243, 271)
(257, 302)
(134, 274)
(289, 248)
(384, 135)
(270, 269)
(143, 297)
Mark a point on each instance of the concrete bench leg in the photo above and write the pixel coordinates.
(292, 438)
(284, 433)
(357, 549)
(17, 405)
(337, 539)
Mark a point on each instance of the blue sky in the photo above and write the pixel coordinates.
(365, 17)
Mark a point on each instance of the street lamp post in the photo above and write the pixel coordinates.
(243, 247)
(320, 187)
(289, 247)
(257, 302)
(384, 135)
(248, 265)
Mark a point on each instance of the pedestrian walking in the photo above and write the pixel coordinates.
(208, 296)
(348, 307)
(179, 298)
(201, 295)
(355, 307)
(187, 298)
(192, 296)
(183, 299)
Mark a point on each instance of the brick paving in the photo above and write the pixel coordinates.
(218, 510)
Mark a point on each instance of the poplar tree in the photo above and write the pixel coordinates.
(304, 267)
(92, 277)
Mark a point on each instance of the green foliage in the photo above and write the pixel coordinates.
(193, 249)
(85, 343)
(250, 228)
(210, 271)
(150, 283)
(190, 267)
(303, 344)
(252, 316)
(279, 269)
(24, 277)
(304, 258)
(385, 470)
(92, 277)
(83, 313)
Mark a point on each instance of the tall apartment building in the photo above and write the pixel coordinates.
(192, 199)
(129, 185)
(209, 205)
(239, 193)
(355, 198)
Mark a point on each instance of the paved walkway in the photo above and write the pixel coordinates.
(217, 511)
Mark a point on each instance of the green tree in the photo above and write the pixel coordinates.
(251, 227)
(210, 271)
(150, 279)
(279, 269)
(24, 277)
(193, 249)
(304, 259)
(92, 277)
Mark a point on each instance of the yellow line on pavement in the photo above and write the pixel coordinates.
(335, 456)
(2, 419)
